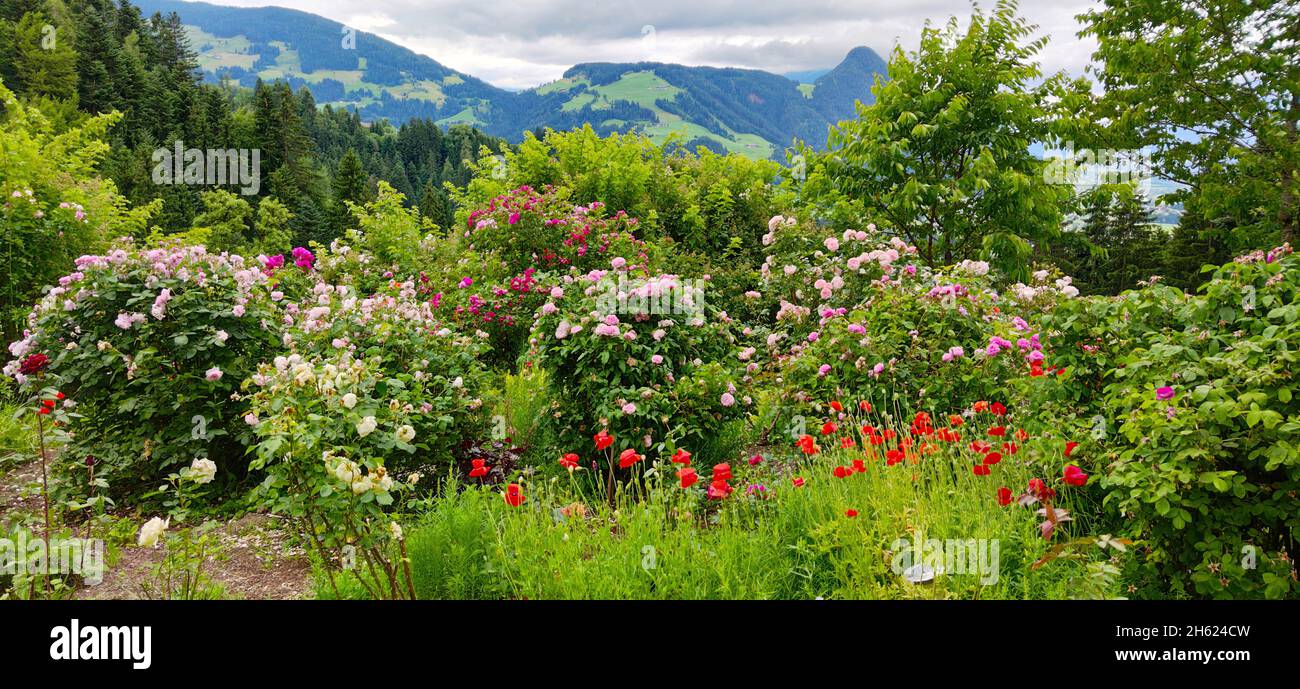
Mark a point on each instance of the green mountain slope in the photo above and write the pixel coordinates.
(746, 111)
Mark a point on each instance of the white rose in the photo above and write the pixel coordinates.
(366, 427)
(350, 400)
(203, 470)
(152, 531)
(405, 434)
(361, 485)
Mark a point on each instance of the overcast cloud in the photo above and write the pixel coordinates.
(523, 43)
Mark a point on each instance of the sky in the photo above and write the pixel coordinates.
(517, 44)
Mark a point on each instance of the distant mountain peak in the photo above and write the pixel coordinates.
(746, 111)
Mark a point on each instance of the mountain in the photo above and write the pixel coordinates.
(747, 111)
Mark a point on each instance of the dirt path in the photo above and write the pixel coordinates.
(255, 559)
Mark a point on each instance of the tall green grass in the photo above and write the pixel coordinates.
(663, 542)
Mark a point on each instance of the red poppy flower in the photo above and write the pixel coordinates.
(998, 431)
(478, 468)
(955, 420)
(48, 404)
(864, 405)
(1040, 490)
(719, 490)
(1004, 496)
(998, 409)
(981, 470)
(850, 513)
(828, 428)
(992, 458)
(1022, 435)
(58, 395)
(1069, 447)
(893, 457)
(981, 406)
(846, 442)
(980, 446)
(808, 445)
(1010, 448)
(755, 460)
(628, 458)
(837, 406)
(688, 477)
(1074, 476)
(721, 472)
(569, 461)
(514, 495)
(681, 457)
(603, 439)
(797, 481)
(889, 434)
(859, 466)
(843, 472)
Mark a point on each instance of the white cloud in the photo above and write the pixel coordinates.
(522, 43)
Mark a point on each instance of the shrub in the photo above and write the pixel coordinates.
(328, 429)
(53, 207)
(1205, 463)
(151, 343)
(437, 366)
(544, 230)
(645, 358)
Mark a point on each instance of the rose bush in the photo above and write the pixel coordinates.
(648, 360)
(152, 343)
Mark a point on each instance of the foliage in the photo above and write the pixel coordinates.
(1224, 71)
(943, 154)
(151, 343)
(55, 207)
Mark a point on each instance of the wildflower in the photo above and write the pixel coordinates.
(213, 374)
(808, 445)
(478, 468)
(828, 428)
(850, 513)
(755, 460)
(1164, 393)
(998, 431)
(628, 458)
(1074, 476)
(681, 456)
(569, 461)
(688, 477)
(1004, 496)
(981, 470)
(1039, 490)
(1069, 448)
(843, 472)
(395, 530)
(514, 495)
(603, 439)
(992, 458)
(728, 399)
(797, 482)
